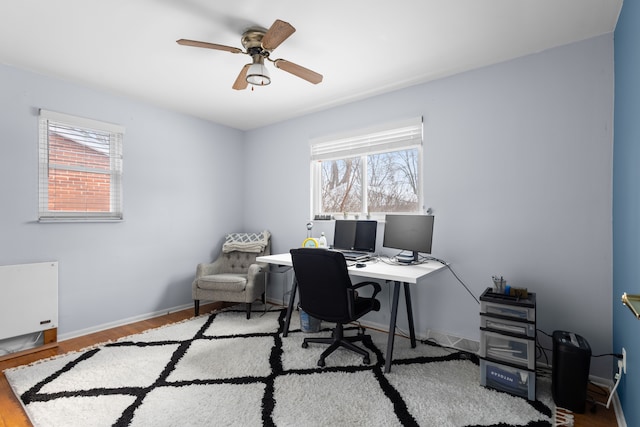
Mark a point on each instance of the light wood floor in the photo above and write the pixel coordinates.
(596, 415)
(12, 414)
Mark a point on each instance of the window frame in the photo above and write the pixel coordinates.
(389, 137)
(47, 120)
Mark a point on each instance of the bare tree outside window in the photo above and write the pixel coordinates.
(392, 183)
(342, 185)
(375, 171)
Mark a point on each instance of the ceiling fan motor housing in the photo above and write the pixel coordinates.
(252, 42)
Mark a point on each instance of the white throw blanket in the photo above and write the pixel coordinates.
(246, 242)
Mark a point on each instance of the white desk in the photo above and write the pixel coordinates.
(398, 274)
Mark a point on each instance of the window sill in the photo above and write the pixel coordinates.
(70, 220)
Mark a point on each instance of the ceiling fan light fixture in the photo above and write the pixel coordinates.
(258, 74)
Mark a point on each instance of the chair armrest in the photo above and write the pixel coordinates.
(376, 287)
(207, 269)
(255, 280)
(254, 270)
(352, 295)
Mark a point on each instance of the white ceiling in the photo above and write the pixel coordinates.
(361, 47)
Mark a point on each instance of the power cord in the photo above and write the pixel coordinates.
(423, 259)
(617, 377)
(541, 352)
(461, 282)
(616, 355)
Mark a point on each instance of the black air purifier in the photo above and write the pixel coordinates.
(570, 370)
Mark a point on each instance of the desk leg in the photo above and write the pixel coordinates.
(264, 294)
(392, 326)
(412, 331)
(292, 300)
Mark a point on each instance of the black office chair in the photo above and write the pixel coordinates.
(326, 293)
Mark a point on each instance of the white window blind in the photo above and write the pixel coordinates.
(388, 137)
(80, 168)
(369, 171)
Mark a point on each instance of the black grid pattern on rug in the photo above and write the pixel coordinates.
(276, 370)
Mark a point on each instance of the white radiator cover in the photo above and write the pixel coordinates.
(28, 298)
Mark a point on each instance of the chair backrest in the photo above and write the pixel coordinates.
(238, 262)
(323, 283)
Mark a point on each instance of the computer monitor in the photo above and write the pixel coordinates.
(409, 233)
(354, 235)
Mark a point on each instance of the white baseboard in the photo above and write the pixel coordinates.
(121, 322)
(441, 338)
(448, 340)
(615, 400)
(617, 408)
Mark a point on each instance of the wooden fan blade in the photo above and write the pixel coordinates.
(195, 43)
(278, 33)
(241, 80)
(299, 71)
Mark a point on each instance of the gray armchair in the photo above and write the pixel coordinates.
(234, 276)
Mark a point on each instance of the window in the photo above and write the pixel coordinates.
(375, 171)
(80, 170)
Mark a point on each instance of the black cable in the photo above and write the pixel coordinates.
(542, 350)
(461, 282)
(446, 264)
(540, 330)
(430, 258)
(618, 355)
(422, 260)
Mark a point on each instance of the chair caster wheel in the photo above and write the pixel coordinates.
(366, 360)
(321, 363)
(305, 344)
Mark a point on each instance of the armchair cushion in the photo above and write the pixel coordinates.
(223, 282)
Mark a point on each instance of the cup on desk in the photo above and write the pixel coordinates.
(499, 284)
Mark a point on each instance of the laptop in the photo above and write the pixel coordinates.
(355, 239)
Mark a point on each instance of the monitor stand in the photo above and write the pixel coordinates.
(414, 257)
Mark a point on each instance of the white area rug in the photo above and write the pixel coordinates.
(225, 370)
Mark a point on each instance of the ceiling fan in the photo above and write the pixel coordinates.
(259, 43)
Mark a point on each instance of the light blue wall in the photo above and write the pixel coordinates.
(626, 203)
(181, 194)
(518, 172)
(518, 160)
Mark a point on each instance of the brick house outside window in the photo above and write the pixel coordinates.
(80, 169)
(77, 190)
